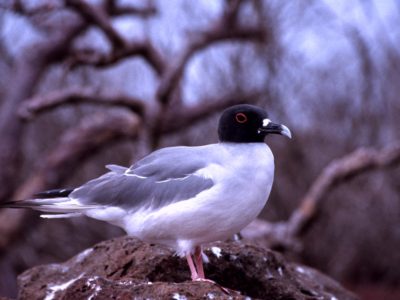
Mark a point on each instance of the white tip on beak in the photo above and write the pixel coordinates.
(286, 131)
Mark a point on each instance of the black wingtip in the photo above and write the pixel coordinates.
(31, 203)
(53, 193)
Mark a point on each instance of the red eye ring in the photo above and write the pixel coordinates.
(241, 118)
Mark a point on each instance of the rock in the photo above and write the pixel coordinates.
(126, 268)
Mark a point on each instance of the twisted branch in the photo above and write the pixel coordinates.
(337, 172)
(121, 48)
(97, 16)
(181, 117)
(75, 146)
(225, 29)
(284, 235)
(92, 57)
(42, 103)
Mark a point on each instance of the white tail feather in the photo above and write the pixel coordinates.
(63, 205)
(61, 216)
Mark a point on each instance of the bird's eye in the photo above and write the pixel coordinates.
(241, 118)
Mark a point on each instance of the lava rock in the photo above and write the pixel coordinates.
(126, 268)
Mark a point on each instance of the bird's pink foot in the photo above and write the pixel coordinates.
(224, 289)
(205, 280)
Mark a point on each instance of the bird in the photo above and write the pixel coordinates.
(181, 197)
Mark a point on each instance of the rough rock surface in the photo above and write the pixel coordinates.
(126, 268)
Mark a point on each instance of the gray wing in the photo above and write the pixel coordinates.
(171, 162)
(163, 177)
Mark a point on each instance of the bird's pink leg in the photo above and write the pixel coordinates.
(192, 268)
(198, 260)
(196, 266)
(198, 274)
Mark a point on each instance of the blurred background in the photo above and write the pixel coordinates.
(87, 83)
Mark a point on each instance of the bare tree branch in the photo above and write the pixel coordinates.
(77, 144)
(181, 117)
(219, 32)
(24, 77)
(42, 103)
(99, 16)
(224, 29)
(74, 147)
(285, 234)
(96, 15)
(337, 172)
(121, 47)
(18, 7)
(117, 10)
(97, 59)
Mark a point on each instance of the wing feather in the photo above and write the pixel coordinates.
(163, 177)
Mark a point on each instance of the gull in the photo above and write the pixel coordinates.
(181, 197)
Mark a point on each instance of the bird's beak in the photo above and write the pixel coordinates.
(269, 127)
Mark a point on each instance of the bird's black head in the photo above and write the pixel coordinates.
(246, 123)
